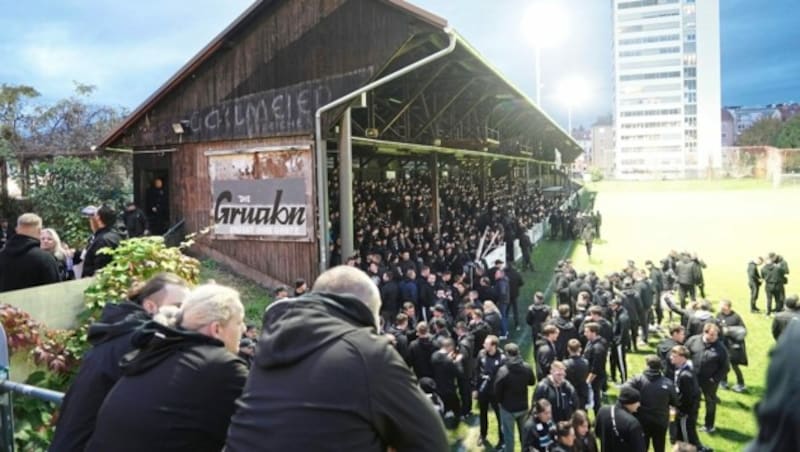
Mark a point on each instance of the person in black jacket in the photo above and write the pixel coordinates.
(400, 332)
(577, 372)
(546, 351)
(110, 338)
(390, 296)
(538, 314)
(135, 221)
(515, 281)
(559, 392)
(23, 263)
(566, 330)
(617, 428)
(617, 358)
(595, 353)
(677, 336)
(710, 360)
(329, 335)
(688, 397)
(420, 352)
(782, 319)
(446, 363)
(511, 390)
(657, 394)
(490, 359)
(754, 281)
(465, 342)
(685, 274)
(733, 333)
(178, 391)
(105, 236)
(777, 412)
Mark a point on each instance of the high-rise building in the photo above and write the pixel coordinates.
(667, 88)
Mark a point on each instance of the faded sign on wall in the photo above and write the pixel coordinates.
(264, 193)
(287, 110)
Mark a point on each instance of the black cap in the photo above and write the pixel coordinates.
(628, 395)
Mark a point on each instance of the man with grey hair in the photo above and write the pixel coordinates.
(23, 263)
(324, 379)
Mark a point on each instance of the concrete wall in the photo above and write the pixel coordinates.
(55, 305)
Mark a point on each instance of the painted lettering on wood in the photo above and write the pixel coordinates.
(280, 111)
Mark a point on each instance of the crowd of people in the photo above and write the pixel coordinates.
(394, 217)
(34, 256)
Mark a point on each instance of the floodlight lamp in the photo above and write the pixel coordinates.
(181, 127)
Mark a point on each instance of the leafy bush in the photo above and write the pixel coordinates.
(67, 184)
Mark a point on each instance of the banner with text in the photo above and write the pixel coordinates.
(262, 193)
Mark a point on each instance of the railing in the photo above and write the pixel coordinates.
(174, 234)
(7, 387)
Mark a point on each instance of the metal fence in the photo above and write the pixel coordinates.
(7, 388)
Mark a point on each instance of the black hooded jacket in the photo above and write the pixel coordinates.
(323, 380)
(94, 261)
(177, 393)
(777, 412)
(657, 394)
(99, 371)
(511, 385)
(23, 264)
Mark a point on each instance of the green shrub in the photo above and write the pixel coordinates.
(67, 184)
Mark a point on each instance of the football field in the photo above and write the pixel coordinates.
(726, 224)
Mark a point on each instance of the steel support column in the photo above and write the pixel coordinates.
(434, 169)
(346, 184)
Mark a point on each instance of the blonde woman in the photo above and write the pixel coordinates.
(178, 392)
(49, 241)
(493, 317)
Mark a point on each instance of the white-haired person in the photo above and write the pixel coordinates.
(179, 391)
(51, 242)
(324, 379)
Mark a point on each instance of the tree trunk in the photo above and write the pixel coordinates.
(3, 182)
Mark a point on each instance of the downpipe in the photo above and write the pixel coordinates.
(322, 166)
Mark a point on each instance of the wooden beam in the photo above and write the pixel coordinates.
(443, 109)
(414, 97)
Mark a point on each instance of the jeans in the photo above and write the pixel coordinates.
(505, 308)
(507, 421)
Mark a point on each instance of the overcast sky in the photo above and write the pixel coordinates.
(128, 49)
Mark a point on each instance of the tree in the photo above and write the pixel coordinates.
(14, 101)
(763, 132)
(67, 184)
(789, 136)
(33, 132)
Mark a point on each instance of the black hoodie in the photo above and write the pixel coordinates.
(23, 264)
(323, 380)
(511, 385)
(777, 412)
(177, 392)
(99, 371)
(657, 394)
